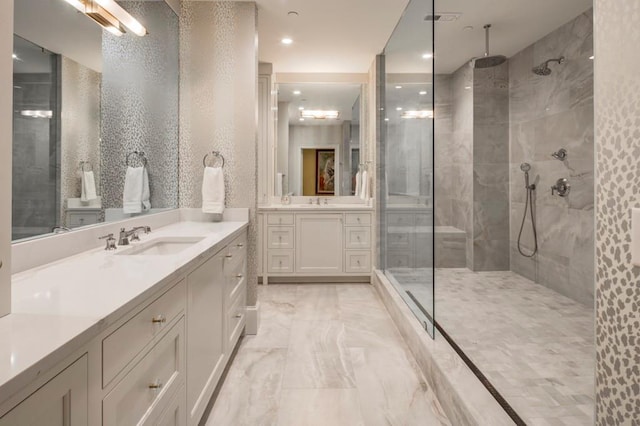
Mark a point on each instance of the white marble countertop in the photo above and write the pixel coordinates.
(58, 307)
(316, 207)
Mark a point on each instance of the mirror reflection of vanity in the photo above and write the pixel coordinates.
(84, 99)
(318, 139)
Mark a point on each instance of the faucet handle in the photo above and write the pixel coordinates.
(111, 242)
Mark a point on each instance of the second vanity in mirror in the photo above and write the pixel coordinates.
(319, 221)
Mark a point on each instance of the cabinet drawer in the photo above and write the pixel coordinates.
(236, 284)
(236, 319)
(237, 249)
(400, 259)
(355, 219)
(150, 385)
(401, 219)
(280, 237)
(81, 219)
(358, 261)
(280, 219)
(280, 261)
(358, 237)
(424, 219)
(175, 413)
(401, 241)
(121, 346)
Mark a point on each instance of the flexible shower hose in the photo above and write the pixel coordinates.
(529, 204)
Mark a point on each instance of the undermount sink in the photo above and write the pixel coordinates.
(162, 246)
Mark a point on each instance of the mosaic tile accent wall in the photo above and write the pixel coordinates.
(617, 112)
(218, 99)
(79, 128)
(140, 82)
(549, 113)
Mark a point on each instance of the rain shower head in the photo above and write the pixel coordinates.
(543, 69)
(487, 61)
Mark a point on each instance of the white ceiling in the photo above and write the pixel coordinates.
(343, 36)
(332, 36)
(319, 96)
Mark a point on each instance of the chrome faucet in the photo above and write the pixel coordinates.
(132, 235)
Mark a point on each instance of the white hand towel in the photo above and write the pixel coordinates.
(364, 190)
(133, 190)
(279, 181)
(358, 184)
(213, 190)
(88, 187)
(146, 193)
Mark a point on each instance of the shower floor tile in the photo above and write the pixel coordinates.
(533, 344)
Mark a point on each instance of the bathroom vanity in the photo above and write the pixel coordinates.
(138, 335)
(306, 241)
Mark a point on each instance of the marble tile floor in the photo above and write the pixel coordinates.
(326, 355)
(534, 345)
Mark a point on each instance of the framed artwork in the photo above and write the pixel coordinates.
(325, 171)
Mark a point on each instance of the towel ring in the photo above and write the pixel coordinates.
(85, 163)
(141, 156)
(215, 154)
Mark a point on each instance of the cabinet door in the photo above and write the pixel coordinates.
(205, 334)
(319, 244)
(62, 401)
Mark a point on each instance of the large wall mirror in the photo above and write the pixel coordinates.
(319, 144)
(95, 117)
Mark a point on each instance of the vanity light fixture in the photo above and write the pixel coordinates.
(417, 114)
(110, 16)
(286, 41)
(36, 113)
(320, 114)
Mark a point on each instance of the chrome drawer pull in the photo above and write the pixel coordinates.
(238, 316)
(239, 276)
(155, 386)
(240, 245)
(160, 319)
(229, 256)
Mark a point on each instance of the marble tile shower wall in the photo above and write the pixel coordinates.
(79, 127)
(140, 109)
(548, 113)
(491, 169)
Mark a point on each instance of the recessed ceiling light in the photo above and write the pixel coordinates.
(398, 87)
(467, 87)
(399, 109)
(297, 92)
(301, 119)
(286, 41)
(591, 57)
(422, 92)
(468, 28)
(386, 119)
(14, 56)
(300, 108)
(427, 56)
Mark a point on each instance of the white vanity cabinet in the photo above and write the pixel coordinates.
(60, 402)
(316, 243)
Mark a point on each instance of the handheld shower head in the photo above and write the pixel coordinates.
(525, 167)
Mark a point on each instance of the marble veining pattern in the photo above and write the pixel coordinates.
(549, 113)
(535, 346)
(325, 355)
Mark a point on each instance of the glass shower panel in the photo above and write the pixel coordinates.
(406, 191)
(36, 158)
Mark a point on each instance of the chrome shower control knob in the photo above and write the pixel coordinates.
(562, 187)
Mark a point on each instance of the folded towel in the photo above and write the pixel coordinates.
(88, 187)
(213, 190)
(135, 197)
(279, 185)
(358, 184)
(364, 190)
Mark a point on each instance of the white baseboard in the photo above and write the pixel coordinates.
(253, 319)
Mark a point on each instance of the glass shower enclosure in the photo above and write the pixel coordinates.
(406, 160)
